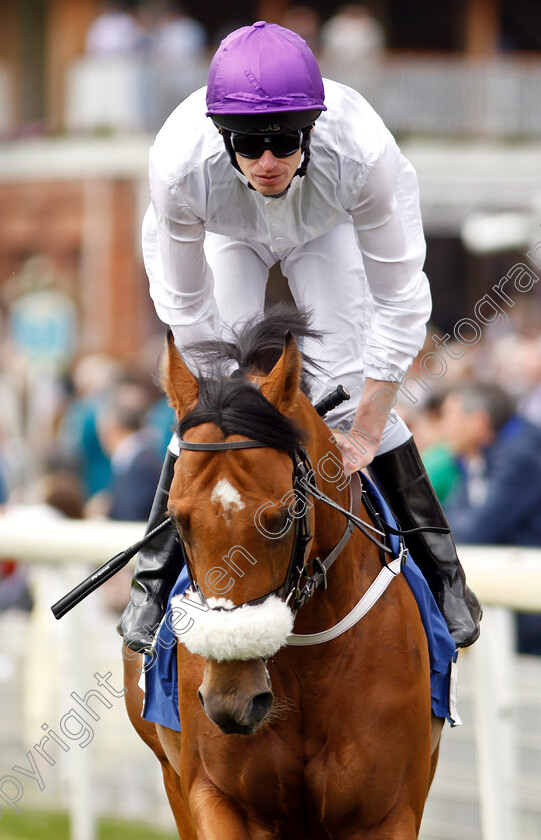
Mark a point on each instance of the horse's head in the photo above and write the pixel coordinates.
(243, 527)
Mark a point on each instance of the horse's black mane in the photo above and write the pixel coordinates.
(231, 402)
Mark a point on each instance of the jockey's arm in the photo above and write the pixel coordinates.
(360, 445)
(180, 279)
(389, 232)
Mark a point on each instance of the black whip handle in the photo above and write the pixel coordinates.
(93, 581)
(339, 395)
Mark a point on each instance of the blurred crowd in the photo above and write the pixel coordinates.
(165, 31)
(168, 50)
(478, 428)
(78, 443)
(100, 440)
(168, 34)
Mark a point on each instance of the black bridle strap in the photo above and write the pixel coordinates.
(318, 580)
(355, 491)
(312, 488)
(316, 492)
(220, 446)
(365, 527)
(301, 539)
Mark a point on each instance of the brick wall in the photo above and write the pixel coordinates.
(87, 231)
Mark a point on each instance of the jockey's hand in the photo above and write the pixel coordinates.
(360, 444)
(357, 451)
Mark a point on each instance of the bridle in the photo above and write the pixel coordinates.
(298, 586)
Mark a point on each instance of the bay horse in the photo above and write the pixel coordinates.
(284, 740)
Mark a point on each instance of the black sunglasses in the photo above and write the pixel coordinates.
(282, 144)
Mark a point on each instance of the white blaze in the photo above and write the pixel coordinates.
(227, 496)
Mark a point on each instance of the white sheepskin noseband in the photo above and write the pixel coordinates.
(248, 632)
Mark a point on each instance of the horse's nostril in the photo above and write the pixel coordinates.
(260, 706)
(201, 699)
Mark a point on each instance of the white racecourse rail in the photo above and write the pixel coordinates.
(505, 579)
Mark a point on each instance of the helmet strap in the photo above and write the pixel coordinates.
(226, 135)
(305, 146)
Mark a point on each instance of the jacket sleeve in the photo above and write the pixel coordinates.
(181, 281)
(387, 221)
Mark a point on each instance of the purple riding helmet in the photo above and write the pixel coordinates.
(265, 80)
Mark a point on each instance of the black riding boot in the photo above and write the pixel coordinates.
(157, 567)
(402, 478)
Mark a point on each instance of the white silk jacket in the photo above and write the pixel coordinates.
(356, 174)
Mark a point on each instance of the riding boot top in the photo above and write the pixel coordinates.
(157, 567)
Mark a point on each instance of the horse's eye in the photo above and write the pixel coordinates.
(276, 523)
(182, 523)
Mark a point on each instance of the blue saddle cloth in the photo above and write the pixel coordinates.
(161, 696)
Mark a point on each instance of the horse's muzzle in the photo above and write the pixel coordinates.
(236, 696)
(234, 717)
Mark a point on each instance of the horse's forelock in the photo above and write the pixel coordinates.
(237, 407)
(256, 344)
(232, 402)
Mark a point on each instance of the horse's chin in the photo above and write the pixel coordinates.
(232, 728)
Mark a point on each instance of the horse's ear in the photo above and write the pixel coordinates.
(281, 386)
(178, 382)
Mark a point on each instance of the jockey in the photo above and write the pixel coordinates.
(278, 168)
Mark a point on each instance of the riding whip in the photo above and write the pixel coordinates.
(93, 581)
